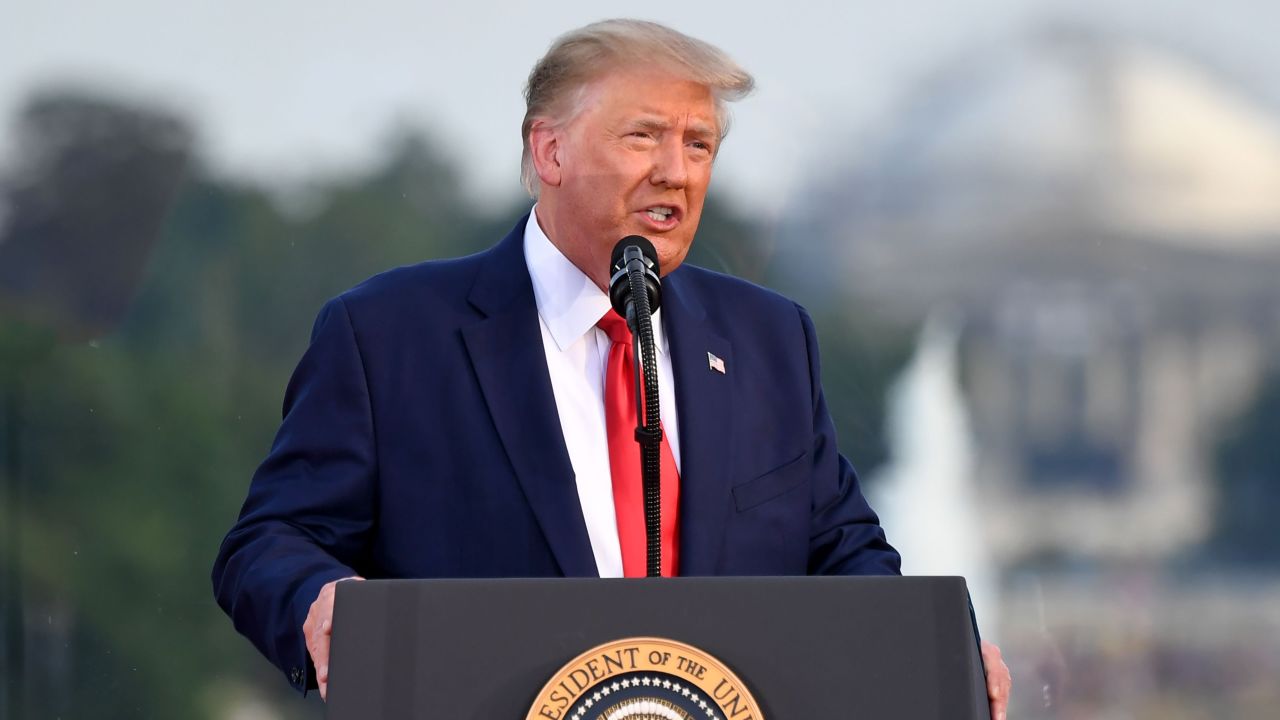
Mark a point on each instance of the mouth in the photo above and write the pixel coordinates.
(661, 218)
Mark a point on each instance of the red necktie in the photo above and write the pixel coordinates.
(624, 458)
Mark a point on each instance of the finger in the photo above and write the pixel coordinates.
(998, 695)
(320, 658)
(999, 682)
(319, 647)
(315, 613)
(318, 629)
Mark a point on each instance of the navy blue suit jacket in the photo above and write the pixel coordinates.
(420, 439)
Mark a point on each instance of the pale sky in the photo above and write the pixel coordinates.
(282, 89)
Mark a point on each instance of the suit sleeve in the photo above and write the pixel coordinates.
(310, 504)
(845, 536)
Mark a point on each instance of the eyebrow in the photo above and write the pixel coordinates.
(699, 129)
(653, 124)
(703, 131)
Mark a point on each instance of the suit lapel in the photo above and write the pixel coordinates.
(506, 351)
(704, 402)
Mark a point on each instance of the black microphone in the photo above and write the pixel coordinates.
(633, 254)
(635, 291)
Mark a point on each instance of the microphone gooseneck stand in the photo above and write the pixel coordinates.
(648, 417)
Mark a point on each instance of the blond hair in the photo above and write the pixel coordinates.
(557, 82)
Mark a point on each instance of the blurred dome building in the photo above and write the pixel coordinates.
(1105, 218)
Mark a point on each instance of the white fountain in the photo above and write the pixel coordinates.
(925, 494)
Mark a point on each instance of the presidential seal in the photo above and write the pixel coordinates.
(644, 679)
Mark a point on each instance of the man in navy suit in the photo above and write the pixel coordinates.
(447, 419)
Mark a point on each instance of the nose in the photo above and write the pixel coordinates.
(669, 164)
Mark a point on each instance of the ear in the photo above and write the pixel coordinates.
(545, 146)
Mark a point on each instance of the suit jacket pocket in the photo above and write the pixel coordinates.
(770, 485)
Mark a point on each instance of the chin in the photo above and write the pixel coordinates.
(670, 259)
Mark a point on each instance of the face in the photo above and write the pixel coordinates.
(635, 161)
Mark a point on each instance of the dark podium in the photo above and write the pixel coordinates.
(807, 648)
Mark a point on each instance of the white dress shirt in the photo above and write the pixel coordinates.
(569, 305)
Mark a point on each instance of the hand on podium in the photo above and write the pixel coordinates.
(999, 682)
(318, 628)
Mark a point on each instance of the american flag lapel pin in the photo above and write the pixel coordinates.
(715, 363)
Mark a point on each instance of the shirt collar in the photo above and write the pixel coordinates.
(568, 302)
